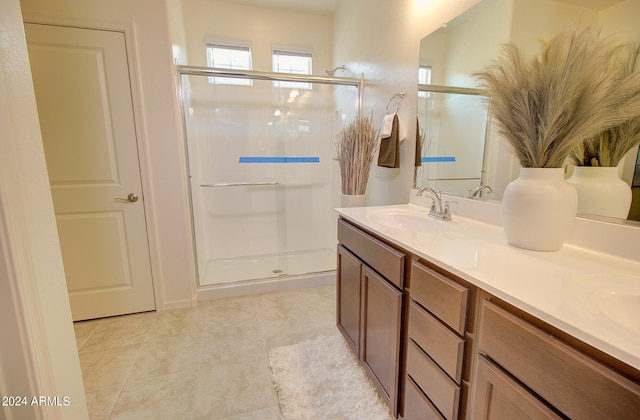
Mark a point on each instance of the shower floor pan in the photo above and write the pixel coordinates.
(221, 271)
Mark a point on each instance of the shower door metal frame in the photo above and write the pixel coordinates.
(253, 75)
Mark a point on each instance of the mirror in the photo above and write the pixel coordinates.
(453, 128)
(465, 45)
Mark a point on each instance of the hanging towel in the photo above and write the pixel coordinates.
(418, 159)
(389, 155)
(387, 125)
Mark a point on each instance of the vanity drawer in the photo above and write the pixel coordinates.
(378, 255)
(416, 405)
(440, 343)
(575, 384)
(441, 296)
(439, 388)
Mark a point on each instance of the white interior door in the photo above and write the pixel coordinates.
(83, 93)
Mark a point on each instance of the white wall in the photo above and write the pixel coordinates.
(475, 39)
(539, 19)
(433, 52)
(177, 31)
(621, 19)
(261, 27)
(38, 354)
(383, 42)
(162, 159)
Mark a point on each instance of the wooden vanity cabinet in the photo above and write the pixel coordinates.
(522, 365)
(454, 351)
(370, 276)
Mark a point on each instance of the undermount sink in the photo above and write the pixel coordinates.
(409, 222)
(615, 298)
(621, 307)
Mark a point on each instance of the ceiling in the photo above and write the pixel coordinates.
(323, 7)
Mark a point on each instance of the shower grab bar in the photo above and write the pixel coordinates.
(238, 184)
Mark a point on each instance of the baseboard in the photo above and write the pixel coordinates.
(177, 304)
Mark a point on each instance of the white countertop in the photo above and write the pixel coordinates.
(574, 289)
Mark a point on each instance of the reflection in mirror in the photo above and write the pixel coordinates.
(468, 43)
(453, 127)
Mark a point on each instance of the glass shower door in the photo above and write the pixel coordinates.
(263, 179)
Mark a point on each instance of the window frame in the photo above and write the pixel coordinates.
(424, 68)
(230, 46)
(277, 52)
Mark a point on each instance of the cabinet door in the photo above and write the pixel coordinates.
(380, 352)
(348, 297)
(416, 405)
(498, 397)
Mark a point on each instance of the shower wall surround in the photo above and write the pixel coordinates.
(264, 181)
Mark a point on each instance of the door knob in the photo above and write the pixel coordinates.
(131, 198)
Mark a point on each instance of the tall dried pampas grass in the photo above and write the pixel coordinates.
(609, 146)
(356, 146)
(547, 105)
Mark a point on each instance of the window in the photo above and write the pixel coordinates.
(233, 57)
(292, 62)
(424, 78)
(424, 75)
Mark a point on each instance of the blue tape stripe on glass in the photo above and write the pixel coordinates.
(278, 159)
(438, 158)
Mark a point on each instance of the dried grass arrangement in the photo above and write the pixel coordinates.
(356, 145)
(609, 146)
(547, 105)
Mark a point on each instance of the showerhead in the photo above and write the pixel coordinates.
(332, 72)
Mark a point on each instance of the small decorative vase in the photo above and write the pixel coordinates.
(601, 191)
(539, 209)
(352, 200)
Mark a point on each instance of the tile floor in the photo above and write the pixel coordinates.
(209, 362)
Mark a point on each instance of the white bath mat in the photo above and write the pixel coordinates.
(321, 379)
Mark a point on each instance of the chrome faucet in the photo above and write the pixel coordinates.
(475, 192)
(437, 210)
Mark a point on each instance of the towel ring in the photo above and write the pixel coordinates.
(395, 99)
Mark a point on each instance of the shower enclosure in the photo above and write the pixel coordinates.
(262, 169)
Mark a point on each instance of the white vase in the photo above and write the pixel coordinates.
(539, 209)
(349, 200)
(601, 191)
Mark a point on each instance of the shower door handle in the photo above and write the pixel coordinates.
(131, 198)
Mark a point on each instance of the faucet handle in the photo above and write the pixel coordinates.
(446, 210)
(433, 205)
